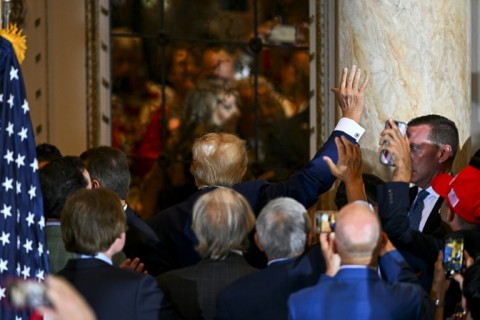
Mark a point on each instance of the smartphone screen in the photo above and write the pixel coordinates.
(26, 294)
(385, 157)
(453, 255)
(324, 222)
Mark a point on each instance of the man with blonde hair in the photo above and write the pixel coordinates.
(222, 220)
(220, 159)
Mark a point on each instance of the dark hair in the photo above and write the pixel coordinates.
(91, 221)
(109, 166)
(443, 130)
(370, 181)
(471, 290)
(47, 152)
(59, 178)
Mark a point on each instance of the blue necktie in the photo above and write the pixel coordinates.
(415, 213)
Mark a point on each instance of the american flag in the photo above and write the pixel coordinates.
(23, 251)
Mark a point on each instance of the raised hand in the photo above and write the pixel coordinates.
(348, 168)
(351, 96)
(332, 259)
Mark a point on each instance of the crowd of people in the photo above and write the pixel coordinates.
(240, 248)
(156, 120)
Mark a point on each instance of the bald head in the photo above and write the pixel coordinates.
(357, 234)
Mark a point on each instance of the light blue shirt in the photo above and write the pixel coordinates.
(99, 256)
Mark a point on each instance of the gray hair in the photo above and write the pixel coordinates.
(221, 221)
(282, 227)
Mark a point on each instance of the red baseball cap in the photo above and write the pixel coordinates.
(461, 192)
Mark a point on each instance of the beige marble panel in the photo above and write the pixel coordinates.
(417, 56)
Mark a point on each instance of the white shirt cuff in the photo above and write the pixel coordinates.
(366, 203)
(350, 127)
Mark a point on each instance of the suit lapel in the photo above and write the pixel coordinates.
(413, 191)
(434, 220)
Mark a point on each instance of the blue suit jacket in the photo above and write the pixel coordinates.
(264, 294)
(359, 293)
(114, 293)
(172, 225)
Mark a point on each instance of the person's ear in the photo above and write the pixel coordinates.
(258, 243)
(310, 236)
(445, 153)
(95, 184)
(334, 243)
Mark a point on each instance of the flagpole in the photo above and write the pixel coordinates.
(5, 13)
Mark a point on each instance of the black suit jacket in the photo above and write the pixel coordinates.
(114, 293)
(193, 290)
(264, 293)
(142, 242)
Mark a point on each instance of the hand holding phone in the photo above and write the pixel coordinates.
(385, 157)
(26, 294)
(453, 255)
(324, 222)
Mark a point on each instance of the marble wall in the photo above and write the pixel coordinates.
(417, 55)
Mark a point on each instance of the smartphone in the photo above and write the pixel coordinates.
(385, 157)
(26, 294)
(453, 255)
(324, 222)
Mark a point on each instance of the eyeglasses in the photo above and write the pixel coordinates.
(417, 148)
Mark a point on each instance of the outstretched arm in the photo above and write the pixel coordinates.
(315, 178)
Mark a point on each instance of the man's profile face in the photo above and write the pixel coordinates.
(425, 155)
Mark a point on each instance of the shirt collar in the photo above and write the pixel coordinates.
(99, 256)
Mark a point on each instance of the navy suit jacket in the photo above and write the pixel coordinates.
(142, 242)
(193, 290)
(114, 293)
(172, 225)
(359, 293)
(264, 293)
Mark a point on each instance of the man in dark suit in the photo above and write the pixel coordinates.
(433, 144)
(220, 159)
(460, 210)
(108, 168)
(351, 287)
(221, 222)
(93, 225)
(58, 179)
(282, 233)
